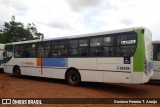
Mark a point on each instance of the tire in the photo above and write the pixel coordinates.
(73, 77)
(17, 72)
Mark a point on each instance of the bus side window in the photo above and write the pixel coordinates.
(83, 47)
(73, 48)
(40, 50)
(9, 53)
(59, 49)
(126, 44)
(47, 49)
(155, 52)
(108, 44)
(158, 52)
(30, 51)
(19, 51)
(96, 48)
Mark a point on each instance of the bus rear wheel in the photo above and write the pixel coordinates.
(17, 72)
(73, 77)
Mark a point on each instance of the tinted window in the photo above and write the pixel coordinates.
(126, 39)
(19, 51)
(95, 42)
(40, 49)
(108, 41)
(78, 47)
(97, 51)
(125, 50)
(73, 44)
(126, 44)
(8, 53)
(59, 49)
(109, 51)
(156, 52)
(83, 47)
(30, 50)
(47, 49)
(101, 46)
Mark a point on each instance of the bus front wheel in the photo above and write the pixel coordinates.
(17, 71)
(73, 77)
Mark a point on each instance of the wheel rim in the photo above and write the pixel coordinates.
(73, 78)
(17, 72)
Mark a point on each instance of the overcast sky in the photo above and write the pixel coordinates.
(57, 18)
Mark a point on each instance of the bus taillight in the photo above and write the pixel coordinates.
(145, 67)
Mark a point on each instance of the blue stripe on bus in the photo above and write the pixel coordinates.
(1, 62)
(55, 62)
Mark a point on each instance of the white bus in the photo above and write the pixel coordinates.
(156, 60)
(118, 56)
(1, 56)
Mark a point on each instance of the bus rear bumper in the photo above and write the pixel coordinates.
(141, 77)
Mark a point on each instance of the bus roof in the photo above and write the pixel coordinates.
(156, 42)
(81, 35)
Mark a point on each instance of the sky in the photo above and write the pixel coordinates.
(59, 18)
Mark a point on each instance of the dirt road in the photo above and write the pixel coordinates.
(34, 87)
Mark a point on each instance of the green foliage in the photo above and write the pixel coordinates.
(16, 31)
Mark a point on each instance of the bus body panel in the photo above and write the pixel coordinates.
(114, 64)
(139, 56)
(149, 54)
(8, 69)
(91, 75)
(156, 66)
(117, 77)
(142, 58)
(83, 63)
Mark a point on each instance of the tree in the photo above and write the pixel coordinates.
(15, 31)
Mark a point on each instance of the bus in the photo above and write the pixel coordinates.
(117, 56)
(1, 57)
(156, 60)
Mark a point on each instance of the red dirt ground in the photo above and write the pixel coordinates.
(34, 87)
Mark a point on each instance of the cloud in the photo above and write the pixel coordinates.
(57, 25)
(130, 13)
(155, 31)
(15, 4)
(81, 5)
(5, 14)
(71, 17)
(56, 18)
(12, 7)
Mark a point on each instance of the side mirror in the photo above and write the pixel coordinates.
(4, 54)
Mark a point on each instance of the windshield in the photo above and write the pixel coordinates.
(8, 53)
